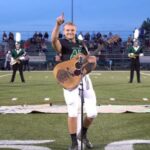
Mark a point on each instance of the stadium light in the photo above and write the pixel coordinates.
(72, 11)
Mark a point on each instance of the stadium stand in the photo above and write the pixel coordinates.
(111, 55)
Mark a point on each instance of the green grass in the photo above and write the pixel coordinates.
(105, 129)
(42, 84)
(38, 86)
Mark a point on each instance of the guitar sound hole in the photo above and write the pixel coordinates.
(62, 76)
(78, 65)
(77, 72)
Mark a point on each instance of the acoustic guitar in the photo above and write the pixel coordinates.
(17, 60)
(132, 55)
(69, 73)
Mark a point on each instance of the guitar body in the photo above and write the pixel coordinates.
(68, 74)
(64, 73)
(14, 61)
(133, 56)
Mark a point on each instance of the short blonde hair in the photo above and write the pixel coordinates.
(69, 23)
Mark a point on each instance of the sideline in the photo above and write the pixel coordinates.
(50, 108)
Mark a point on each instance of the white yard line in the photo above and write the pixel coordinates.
(4, 75)
(146, 74)
(125, 145)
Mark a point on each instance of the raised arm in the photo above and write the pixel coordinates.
(55, 33)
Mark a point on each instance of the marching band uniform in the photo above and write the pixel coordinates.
(134, 52)
(16, 62)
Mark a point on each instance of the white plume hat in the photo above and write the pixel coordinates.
(136, 34)
(18, 36)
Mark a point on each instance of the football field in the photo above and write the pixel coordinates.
(35, 131)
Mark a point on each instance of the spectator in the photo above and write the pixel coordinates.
(26, 62)
(4, 37)
(129, 41)
(57, 58)
(46, 36)
(87, 36)
(11, 36)
(7, 61)
(98, 36)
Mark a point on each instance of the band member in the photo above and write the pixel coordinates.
(16, 61)
(134, 52)
(7, 61)
(69, 47)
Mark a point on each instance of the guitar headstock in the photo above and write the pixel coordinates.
(113, 39)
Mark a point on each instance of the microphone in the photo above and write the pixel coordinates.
(78, 66)
(80, 60)
(79, 63)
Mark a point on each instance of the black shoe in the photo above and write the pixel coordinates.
(130, 82)
(86, 142)
(73, 147)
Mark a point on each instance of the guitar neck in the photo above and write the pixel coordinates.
(104, 43)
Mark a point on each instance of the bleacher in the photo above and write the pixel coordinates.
(43, 58)
(2, 56)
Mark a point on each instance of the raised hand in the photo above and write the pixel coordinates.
(60, 19)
